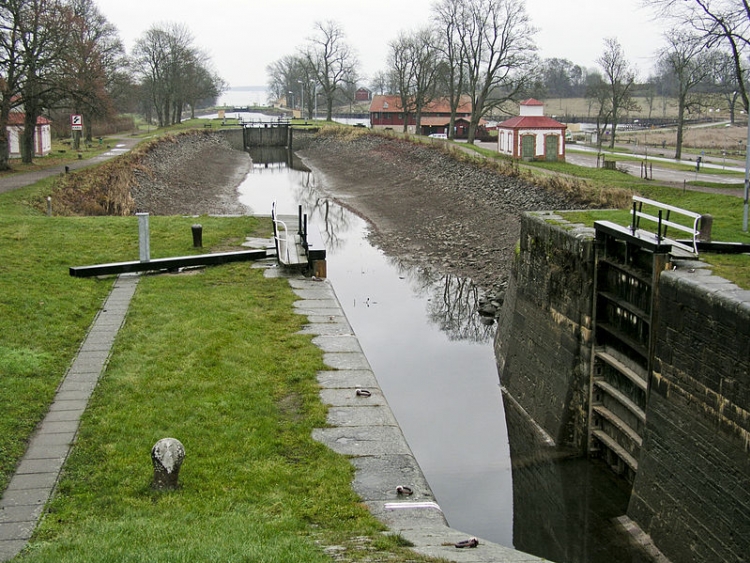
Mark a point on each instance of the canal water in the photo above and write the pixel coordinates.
(434, 360)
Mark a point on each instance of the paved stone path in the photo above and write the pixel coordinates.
(37, 474)
(363, 428)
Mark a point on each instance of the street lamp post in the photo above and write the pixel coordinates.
(302, 103)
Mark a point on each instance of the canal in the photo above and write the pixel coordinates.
(434, 360)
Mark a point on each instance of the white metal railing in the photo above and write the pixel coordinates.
(278, 238)
(663, 222)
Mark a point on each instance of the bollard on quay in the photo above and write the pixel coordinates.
(167, 456)
(197, 236)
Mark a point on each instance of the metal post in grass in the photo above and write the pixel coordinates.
(144, 245)
(167, 456)
(197, 235)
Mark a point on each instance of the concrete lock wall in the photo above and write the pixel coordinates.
(277, 136)
(235, 137)
(543, 338)
(692, 490)
(691, 493)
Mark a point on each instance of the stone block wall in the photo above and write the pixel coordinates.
(543, 338)
(691, 493)
(692, 490)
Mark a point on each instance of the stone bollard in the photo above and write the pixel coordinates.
(167, 455)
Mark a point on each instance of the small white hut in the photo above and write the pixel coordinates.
(532, 135)
(42, 135)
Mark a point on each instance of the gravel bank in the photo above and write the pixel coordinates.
(428, 208)
(194, 174)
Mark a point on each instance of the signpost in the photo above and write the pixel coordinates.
(76, 126)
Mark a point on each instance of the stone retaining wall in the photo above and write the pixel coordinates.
(691, 494)
(692, 490)
(542, 344)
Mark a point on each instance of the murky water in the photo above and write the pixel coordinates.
(435, 363)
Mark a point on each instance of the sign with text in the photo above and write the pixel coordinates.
(76, 122)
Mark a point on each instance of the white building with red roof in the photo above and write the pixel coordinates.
(532, 135)
(42, 135)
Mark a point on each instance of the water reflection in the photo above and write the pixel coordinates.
(435, 365)
(452, 302)
(433, 358)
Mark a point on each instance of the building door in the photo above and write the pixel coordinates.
(527, 147)
(551, 144)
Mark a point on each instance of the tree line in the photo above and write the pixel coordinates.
(64, 56)
(484, 51)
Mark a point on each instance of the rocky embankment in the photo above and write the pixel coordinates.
(191, 174)
(428, 208)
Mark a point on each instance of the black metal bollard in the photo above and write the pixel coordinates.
(197, 236)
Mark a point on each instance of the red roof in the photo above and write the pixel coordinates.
(392, 104)
(532, 102)
(17, 117)
(531, 122)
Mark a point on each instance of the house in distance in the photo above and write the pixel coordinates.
(386, 112)
(532, 135)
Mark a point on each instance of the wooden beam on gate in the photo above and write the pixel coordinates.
(167, 263)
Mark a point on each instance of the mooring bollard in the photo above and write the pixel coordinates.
(197, 236)
(167, 456)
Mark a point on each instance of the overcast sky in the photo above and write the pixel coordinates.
(244, 36)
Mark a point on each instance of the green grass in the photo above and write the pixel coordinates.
(727, 213)
(211, 357)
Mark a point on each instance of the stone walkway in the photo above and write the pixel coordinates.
(362, 427)
(37, 474)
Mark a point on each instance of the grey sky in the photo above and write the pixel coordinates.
(244, 36)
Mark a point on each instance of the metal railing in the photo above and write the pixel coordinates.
(278, 238)
(663, 222)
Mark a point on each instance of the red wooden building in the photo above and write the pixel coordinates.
(386, 113)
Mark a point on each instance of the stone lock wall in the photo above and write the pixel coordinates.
(543, 339)
(692, 490)
(691, 493)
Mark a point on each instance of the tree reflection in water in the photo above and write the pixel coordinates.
(453, 302)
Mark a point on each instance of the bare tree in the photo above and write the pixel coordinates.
(414, 66)
(331, 61)
(724, 80)
(172, 70)
(599, 98)
(450, 27)
(283, 75)
(498, 49)
(32, 39)
(94, 61)
(380, 83)
(11, 64)
(619, 78)
(725, 22)
(685, 57)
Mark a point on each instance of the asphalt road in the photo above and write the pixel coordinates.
(15, 181)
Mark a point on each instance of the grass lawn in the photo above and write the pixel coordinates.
(211, 357)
